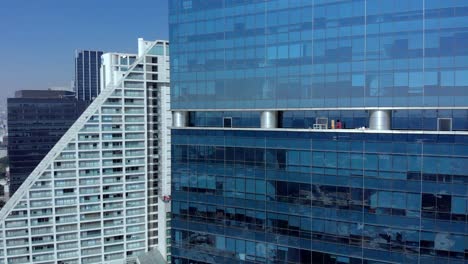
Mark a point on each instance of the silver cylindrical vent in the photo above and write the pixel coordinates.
(380, 119)
(269, 119)
(180, 119)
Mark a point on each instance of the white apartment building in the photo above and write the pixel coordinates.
(102, 194)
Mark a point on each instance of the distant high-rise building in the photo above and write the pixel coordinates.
(87, 74)
(270, 160)
(101, 194)
(36, 121)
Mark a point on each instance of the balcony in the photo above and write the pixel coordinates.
(136, 187)
(18, 260)
(91, 234)
(134, 110)
(114, 136)
(65, 183)
(67, 237)
(66, 156)
(88, 182)
(17, 251)
(64, 174)
(67, 228)
(117, 93)
(135, 229)
(42, 239)
(113, 145)
(113, 101)
(89, 217)
(71, 245)
(112, 197)
(67, 201)
(134, 102)
(89, 199)
(135, 195)
(112, 154)
(90, 128)
(42, 248)
(88, 146)
(111, 119)
(109, 189)
(46, 203)
(111, 206)
(16, 233)
(88, 173)
(94, 251)
(65, 192)
(90, 208)
(18, 214)
(112, 223)
(87, 226)
(139, 94)
(134, 136)
(41, 221)
(135, 128)
(65, 220)
(112, 171)
(133, 153)
(44, 257)
(114, 256)
(70, 147)
(89, 137)
(91, 260)
(135, 220)
(111, 240)
(109, 110)
(41, 231)
(66, 210)
(41, 212)
(17, 242)
(134, 144)
(43, 194)
(135, 178)
(135, 203)
(92, 190)
(68, 254)
(135, 237)
(41, 185)
(89, 155)
(110, 180)
(112, 215)
(114, 128)
(135, 76)
(135, 212)
(135, 245)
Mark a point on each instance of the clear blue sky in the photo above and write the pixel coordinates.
(38, 37)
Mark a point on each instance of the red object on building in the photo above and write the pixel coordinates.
(338, 124)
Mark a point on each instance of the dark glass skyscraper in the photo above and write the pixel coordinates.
(319, 131)
(36, 121)
(87, 74)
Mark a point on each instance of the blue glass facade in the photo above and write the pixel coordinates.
(300, 53)
(246, 193)
(295, 197)
(87, 74)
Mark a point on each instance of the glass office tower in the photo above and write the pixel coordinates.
(87, 74)
(319, 131)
